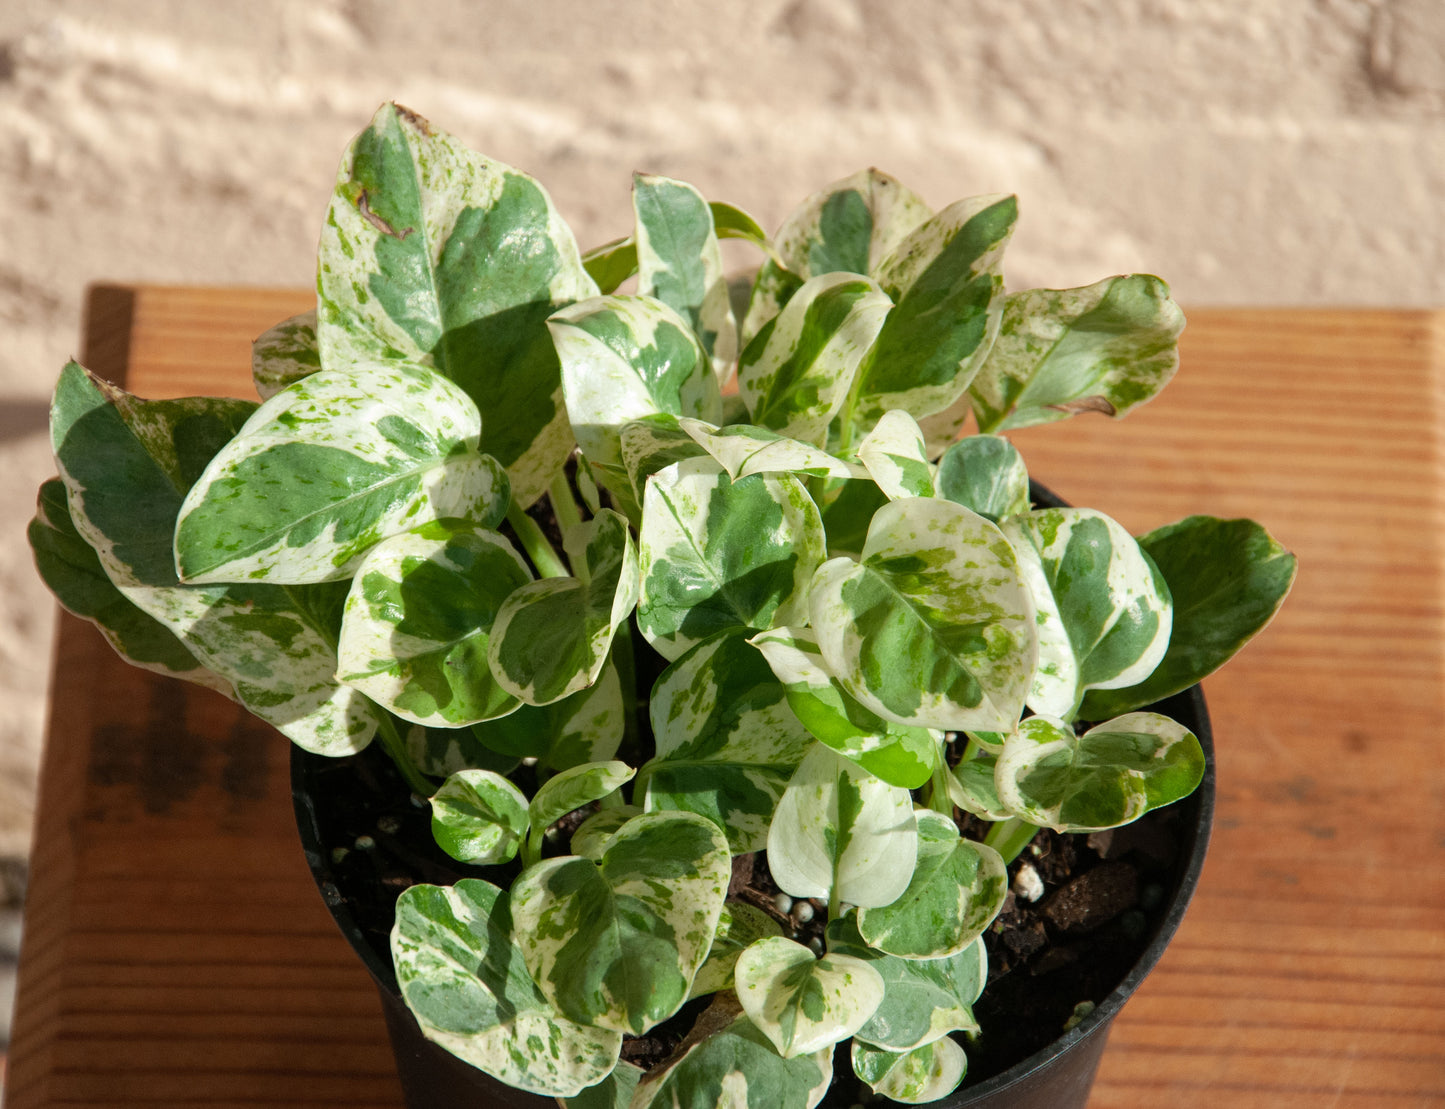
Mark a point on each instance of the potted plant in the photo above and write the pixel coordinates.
(730, 706)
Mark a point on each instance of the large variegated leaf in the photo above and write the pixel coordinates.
(801, 1002)
(987, 474)
(616, 944)
(934, 627)
(1111, 775)
(478, 816)
(795, 374)
(739, 926)
(923, 999)
(1106, 348)
(625, 358)
(957, 888)
(745, 449)
(1104, 611)
(1227, 578)
(896, 457)
(852, 225)
(717, 553)
(841, 833)
(551, 637)
(330, 466)
(419, 618)
(74, 574)
(127, 464)
(736, 1067)
(679, 263)
(462, 974)
(285, 354)
(574, 787)
(613, 1092)
(434, 253)
(945, 281)
(915, 1077)
(899, 754)
(586, 727)
(726, 740)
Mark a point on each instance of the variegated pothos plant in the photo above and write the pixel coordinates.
(866, 624)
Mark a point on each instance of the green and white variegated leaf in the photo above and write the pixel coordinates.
(731, 222)
(613, 1092)
(679, 263)
(795, 375)
(801, 1002)
(934, 627)
(1104, 613)
(285, 354)
(899, 754)
(726, 740)
(841, 831)
(896, 457)
(432, 253)
(957, 888)
(851, 225)
(772, 288)
(616, 944)
(479, 817)
(739, 926)
(586, 727)
(946, 284)
(923, 999)
(552, 636)
(717, 553)
(610, 264)
(1108, 348)
(648, 446)
(915, 1077)
(1226, 578)
(1111, 775)
(73, 572)
(625, 358)
(971, 787)
(746, 449)
(126, 464)
(942, 429)
(329, 467)
(418, 620)
(987, 474)
(462, 974)
(592, 836)
(441, 752)
(574, 787)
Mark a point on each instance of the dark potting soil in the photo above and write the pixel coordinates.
(1103, 897)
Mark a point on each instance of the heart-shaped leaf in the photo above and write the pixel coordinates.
(971, 787)
(934, 627)
(418, 620)
(1227, 578)
(551, 637)
(726, 740)
(739, 926)
(841, 832)
(745, 449)
(957, 888)
(801, 1002)
(330, 466)
(852, 225)
(1105, 348)
(574, 787)
(896, 458)
(717, 553)
(616, 944)
(915, 1077)
(586, 727)
(987, 474)
(1104, 611)
(463, 976)
(433, 253)
(285, 354)
(479, 817)
(1110, 775)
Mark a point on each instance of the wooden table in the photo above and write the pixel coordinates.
(176, 953)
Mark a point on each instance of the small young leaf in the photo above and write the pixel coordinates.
(1106, 348)
(586, 727)
(574, 787)
(971, 787)
(896, 458)
(772, 288)
(441, 752)
(592, 836)
(734, 223)
(745, 449)
(285, 354)
(479, 817)
(738, 927)
(915, 1077)
(852, 225)
(1110, 775)
(801, 1002)
(611, 263)
(987, 474)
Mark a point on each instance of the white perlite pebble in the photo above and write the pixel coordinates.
(1027, 883)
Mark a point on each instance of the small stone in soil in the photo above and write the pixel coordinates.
(1027, 883)
(364, 843)
(1093, 898)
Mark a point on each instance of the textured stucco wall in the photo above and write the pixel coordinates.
(1250, 151)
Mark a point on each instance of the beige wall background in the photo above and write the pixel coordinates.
(1249, 151)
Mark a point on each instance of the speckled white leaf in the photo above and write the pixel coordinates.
(284, 354)
(839, 826)
(896, 457)
(463, 976)
(616, 944)
(934, 627)
(916, 1077)
(478, 816)
(574, 787)
(801, 1002)
(739, 926)
(594, 834)
(851, 225)
(329, 467)
(745, 449)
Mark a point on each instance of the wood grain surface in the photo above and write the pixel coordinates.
(176, 953)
